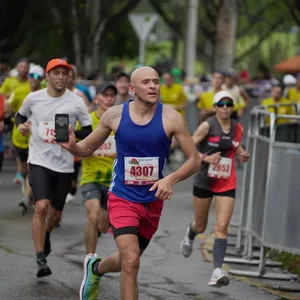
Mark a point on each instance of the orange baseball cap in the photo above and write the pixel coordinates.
(57, 62)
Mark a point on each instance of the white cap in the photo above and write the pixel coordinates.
(38, 70)
(289, 79)
(220, 95)
(13, 73)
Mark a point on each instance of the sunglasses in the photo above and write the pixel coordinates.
(35, 76)
(227, 103)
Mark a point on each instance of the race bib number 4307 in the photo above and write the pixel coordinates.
(46, 131)
(141, 170)
(221, 170)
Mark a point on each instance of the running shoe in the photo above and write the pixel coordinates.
(42, 268)
(89, 288)
(23, 204)
(186, 245)
(219, 278)
(19, 178)
(70, 198)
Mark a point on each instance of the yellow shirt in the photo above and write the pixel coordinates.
(16, 99)
(10, 83)
(294, 95)
(282, 110)
(173, 96)
(98, 169)
(206, 100)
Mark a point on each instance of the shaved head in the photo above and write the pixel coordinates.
(141, 72)
(145, 85)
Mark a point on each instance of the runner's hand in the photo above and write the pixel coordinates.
(72, 140)
(164, 189)
(24, 128)
(213, 159)
(244, 156)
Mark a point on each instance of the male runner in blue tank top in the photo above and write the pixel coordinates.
(143, 131)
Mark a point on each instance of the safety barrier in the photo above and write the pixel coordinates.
(270, 207)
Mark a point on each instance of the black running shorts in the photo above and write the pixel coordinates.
(22, 154)
(48, 184)
(201, 193)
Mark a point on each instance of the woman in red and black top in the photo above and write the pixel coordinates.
(219, 140)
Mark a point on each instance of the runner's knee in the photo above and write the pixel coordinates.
(199, 227)
(41, 208)
(221, 227)
(131, 262)
(93, 218)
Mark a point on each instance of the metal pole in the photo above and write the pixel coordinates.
(191, 36)
(142, 51)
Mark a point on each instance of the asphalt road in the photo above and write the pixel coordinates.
(164, 273)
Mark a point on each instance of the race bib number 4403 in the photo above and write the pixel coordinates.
(46, 131)
(141, 170)
(222, 169)
(108, 148)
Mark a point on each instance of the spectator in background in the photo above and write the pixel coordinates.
(205, 102)
(72, 87)
(83, 88)
(241, 97)
(4, 71)
(192, 88)
(96, 80)
(277, 99)
(173, 94)
(294, 92)
(11, 82)
(2, 99)
(122, 85)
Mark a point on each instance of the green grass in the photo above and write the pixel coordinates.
(290, 262)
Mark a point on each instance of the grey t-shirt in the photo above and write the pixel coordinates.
(41, 109)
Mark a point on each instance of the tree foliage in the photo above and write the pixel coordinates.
(81, 30)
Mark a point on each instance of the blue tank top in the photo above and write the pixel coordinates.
(142, 151)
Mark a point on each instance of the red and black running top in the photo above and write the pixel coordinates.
(221, 177)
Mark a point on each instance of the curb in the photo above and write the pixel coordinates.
(208, 245)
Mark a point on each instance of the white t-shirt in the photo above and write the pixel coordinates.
(41, 109)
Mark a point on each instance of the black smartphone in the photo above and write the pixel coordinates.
(62, 128)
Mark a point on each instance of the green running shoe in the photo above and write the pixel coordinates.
(89, 288)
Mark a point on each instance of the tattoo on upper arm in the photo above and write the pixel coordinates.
(111, 115)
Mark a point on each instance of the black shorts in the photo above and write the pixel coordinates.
(95, 190)
(48, 184)
(77, 165)
(22, 154)
(201, 193)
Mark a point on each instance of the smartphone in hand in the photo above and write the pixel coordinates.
(62, 128)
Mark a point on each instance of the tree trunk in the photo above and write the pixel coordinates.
(76, 37)
(225, 34)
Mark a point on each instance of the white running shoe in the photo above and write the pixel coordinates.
(186, 245)
(219, 278)
(70, 198)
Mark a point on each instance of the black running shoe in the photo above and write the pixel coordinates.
(47, 246)
(42, 268)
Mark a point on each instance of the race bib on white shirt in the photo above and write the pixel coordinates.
(221, 170)
(108, 148)
(46, 131)
(141, 170)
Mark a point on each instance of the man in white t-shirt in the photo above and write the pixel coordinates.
(50, 166)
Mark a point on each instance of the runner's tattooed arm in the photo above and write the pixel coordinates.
(109, 122)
